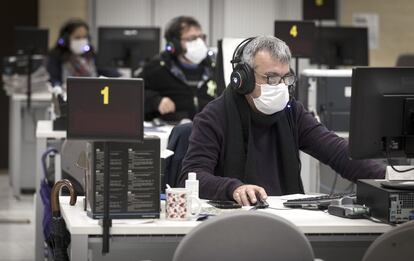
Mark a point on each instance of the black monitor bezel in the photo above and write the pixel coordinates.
(102, 52)
(31, 40)
(87, 80)
(309, 11)
(326, 35)
(294, 50)
(374, 116)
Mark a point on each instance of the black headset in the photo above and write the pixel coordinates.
(242, 78)
(173, 46)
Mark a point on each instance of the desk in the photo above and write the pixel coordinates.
(44, 134)
(157, 239)
(22, 138)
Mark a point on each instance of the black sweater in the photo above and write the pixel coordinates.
(190, 90)
(206, 151)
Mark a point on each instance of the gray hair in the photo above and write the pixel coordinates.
(276, 47)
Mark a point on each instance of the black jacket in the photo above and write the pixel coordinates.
(165, 77)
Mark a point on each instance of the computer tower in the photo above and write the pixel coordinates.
(327, 93)
(388, 205)
(134, 179)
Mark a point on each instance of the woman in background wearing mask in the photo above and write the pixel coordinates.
(179, 81)
(73, 54)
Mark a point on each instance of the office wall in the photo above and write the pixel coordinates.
(395, 27)
(53, 13)
(148, 12)
(231, 18)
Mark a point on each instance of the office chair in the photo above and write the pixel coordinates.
(405, 60)
(177, 142)
(396, 244)
(244, 236)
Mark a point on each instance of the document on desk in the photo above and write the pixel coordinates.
(298, 196)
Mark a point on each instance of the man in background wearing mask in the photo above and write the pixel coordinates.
(245, 144)
(179, 82)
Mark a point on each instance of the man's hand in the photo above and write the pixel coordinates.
(166, 106)
(246, 194)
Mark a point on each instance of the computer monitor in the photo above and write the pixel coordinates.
(382, 113)
(319, 9)
(298, 35)
(341, 46)
(105, 108)
(225, 50)
(128, 47)
(31, 40)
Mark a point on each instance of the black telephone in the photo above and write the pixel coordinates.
(224, 204)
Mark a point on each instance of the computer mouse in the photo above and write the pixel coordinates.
(157, 122)
(261, 203)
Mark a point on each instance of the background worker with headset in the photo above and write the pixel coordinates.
(179, 81)
(73, 54)
(245, 144)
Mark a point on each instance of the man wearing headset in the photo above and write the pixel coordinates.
(179, 82)
(245, 144)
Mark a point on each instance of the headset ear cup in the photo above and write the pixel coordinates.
(242, 79)
(291, 89)
(64, 40)
(170, 48)
(173, 46)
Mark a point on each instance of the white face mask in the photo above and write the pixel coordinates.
(272, 98)
(79, 46)
(196, 51)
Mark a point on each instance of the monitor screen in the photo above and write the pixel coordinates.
(128, 47)
(341, 46)
(31, 40)
(105, 109)
(298, 35)
(382, 112)
(319, 9)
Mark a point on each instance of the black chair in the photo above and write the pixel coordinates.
(244, 236)
(396, 244)
(177, 142)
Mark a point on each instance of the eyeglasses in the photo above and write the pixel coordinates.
(288, 79)
(194, 37)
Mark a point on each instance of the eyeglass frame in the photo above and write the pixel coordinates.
(280, 80)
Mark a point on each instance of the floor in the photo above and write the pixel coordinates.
(16, 223)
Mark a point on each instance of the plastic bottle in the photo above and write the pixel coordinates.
(192, 184)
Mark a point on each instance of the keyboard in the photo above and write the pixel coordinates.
(315, 202)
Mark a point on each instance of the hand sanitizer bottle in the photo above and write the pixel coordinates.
(192, 184)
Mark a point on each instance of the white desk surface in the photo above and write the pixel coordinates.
(327, 72)
(308, 221)
(45, 130)
(42, 96)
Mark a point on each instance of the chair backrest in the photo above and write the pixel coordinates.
(396, 245)
(405, 60)
(244, 235)
(177, 142)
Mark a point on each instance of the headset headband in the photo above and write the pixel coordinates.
(239, 50)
